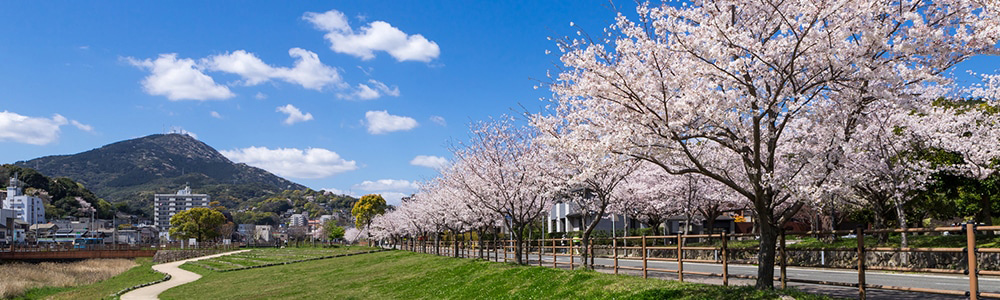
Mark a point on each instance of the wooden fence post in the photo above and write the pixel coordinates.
(541, 245)
(861, 263)
(504, 248)
(680, 257)
(571, 253)
(970, 233)
(555, 258)
(784, 261)
(614, 252)
(644, 273)
(725, 261)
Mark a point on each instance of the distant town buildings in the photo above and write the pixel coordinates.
(324, 218)
(298, 220)
(27, 208)
(166, 206)
(10, 229)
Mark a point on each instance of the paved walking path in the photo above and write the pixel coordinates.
(177, 277)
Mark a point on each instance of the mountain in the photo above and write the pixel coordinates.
(132, 171)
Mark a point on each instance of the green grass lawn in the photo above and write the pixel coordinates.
(407, 275)
(140, 274)
(262, 256)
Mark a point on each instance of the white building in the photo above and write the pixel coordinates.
(325, 218)
(9, 232)
(166, 206)
(263, 233)
(27, 208)
(299, 220)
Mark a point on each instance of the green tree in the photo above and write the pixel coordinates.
(367, 208)
(201, 223)
(333, 231)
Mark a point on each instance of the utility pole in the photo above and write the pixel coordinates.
(114, 224)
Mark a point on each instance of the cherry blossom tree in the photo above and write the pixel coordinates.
(970, 128)
(499, 168)
(885, 165)
(645, 196)
(391, 226)
(776, 87)
(581, 171)
(464, 207)
(353, 235)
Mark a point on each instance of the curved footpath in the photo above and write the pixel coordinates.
(177, 277)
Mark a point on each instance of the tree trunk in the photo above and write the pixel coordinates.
(517, 232)
(454, 243)
(479, 241)
(903, 242)
(880, 224)
(985, 214)
(765, 256)
(586, 240)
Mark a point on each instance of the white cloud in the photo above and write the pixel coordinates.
(82, 126)
(386, 185)
(329, 21)
(393, 198)
(294, 114)
(380, 122)
(376, 36)
(364, 92)
(439, 120)
(311, 163)
(309, 71)
(382, 87)
(373, 90)
(260, 96)
(179, 79)
(30, 130)
(336, 191)
(434, 162)
(215, 114)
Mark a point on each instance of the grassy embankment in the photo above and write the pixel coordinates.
(89, 279)
(407, 275)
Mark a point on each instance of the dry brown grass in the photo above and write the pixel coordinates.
(19, 277)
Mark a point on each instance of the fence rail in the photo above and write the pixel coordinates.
(108, 247)
(620, 248)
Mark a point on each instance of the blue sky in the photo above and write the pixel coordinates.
(225, 71)
(355, 96)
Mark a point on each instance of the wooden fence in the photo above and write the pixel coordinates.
(641, 246)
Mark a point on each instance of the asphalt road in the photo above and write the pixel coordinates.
(929, 281)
